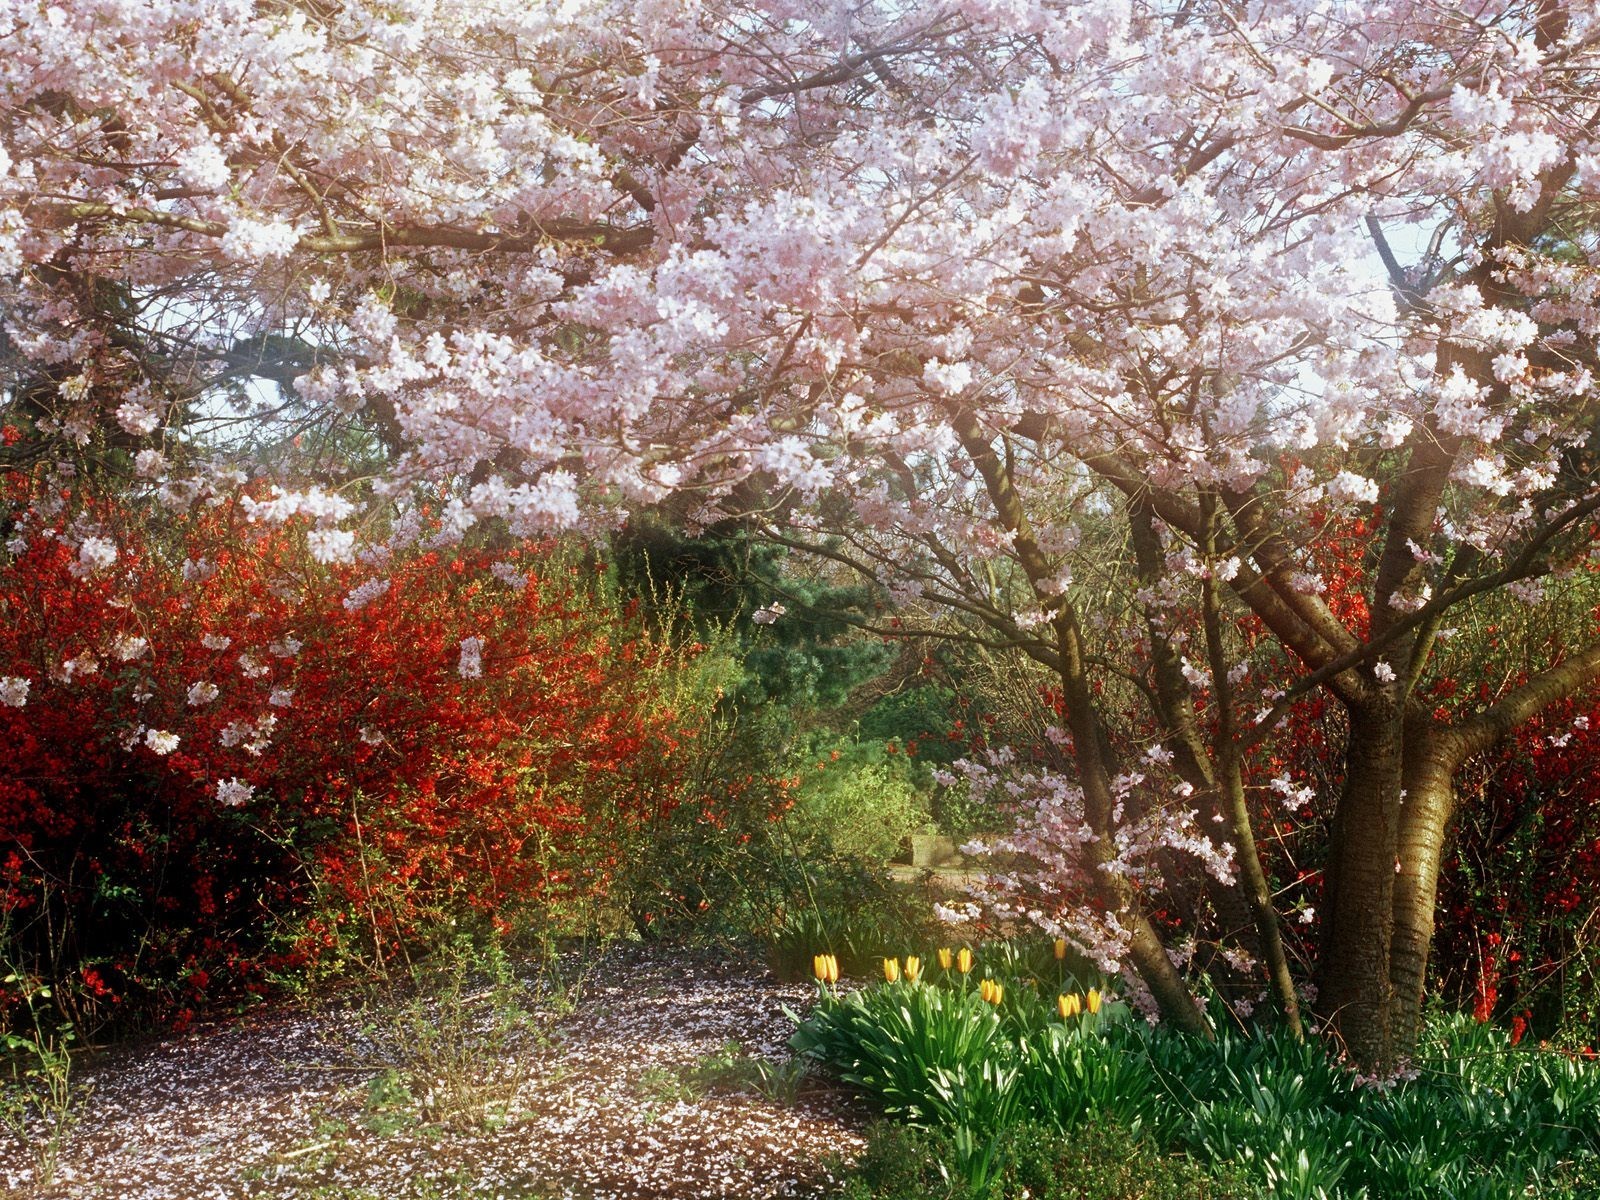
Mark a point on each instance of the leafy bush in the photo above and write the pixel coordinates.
(447, 1037)
(219, 733)
(856, 800)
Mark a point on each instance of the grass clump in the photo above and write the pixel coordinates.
(1029, 1162)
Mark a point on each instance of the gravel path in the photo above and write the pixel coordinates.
(609, 1105)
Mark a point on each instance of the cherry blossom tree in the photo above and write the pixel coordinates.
(952, 280)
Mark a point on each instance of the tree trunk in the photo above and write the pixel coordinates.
(1355, 993)
(1431, 757)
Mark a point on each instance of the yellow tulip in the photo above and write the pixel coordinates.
(1061, 949)
(1094, 1000)
(991, 991)
(913, 967)
(891, 970)
(946, 956)
(1068, 1006)
(964, 960)
(825, 967)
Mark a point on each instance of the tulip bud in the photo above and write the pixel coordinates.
(891, 970)
(819, 967)
(991, 991)
(1094, 1000)
(964, 960)
(946, 956)
(1061, 948)
(1069, 1006)
(833, 968)
(913, 967)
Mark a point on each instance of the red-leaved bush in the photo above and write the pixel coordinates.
(225, 759)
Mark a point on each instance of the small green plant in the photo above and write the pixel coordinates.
(444, 1038)
(728, 1069)
(668, 1085)
(779, 1080)
(40, 1102)
(390, 1106)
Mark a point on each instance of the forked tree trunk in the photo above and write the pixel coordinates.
(1383, 883)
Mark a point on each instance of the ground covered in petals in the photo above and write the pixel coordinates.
(629, 1094)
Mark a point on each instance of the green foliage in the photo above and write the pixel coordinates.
(719, 578)
(904, 1162)
(1030, 1162)
(924, 719)
(1480, 1120)
(934, 1056)
(855, 800)
(848, 909)
(937, 1054)
(1478, 1101)
(1576, 1180)
(1102, 1160)
(443, 1036)
(1068, 1078)
(729, 1069)
(934, 726)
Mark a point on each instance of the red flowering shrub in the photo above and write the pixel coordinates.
(1519, 927)
(210, 736)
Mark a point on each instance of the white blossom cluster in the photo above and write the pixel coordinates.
(14, 690)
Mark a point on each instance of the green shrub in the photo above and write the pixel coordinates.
(446, 1037)
(856, 800)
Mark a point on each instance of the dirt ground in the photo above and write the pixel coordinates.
(610, 1100)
